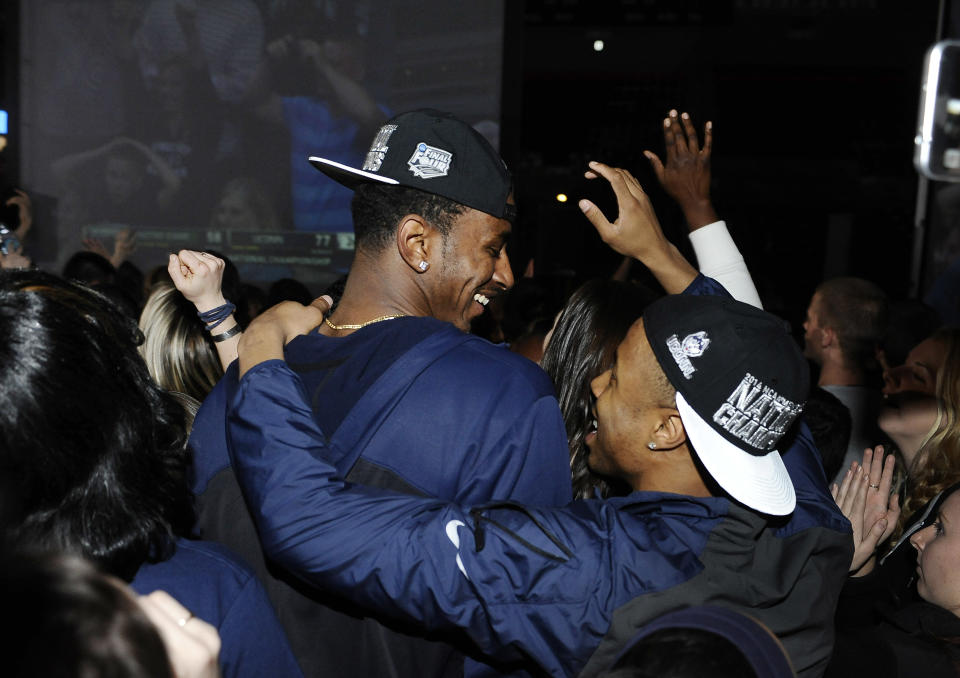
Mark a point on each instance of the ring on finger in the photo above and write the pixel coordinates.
(876, 487)
(183, 620)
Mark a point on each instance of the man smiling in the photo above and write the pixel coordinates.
(717, 517)
(408, 401)
(692, 415)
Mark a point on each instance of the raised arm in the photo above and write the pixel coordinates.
(352, 98)
(168, 178)
(198, 276)
(124, 245)
(70, 165)
(685, 177)
(351, 95)
(66, 166)
(636, 231)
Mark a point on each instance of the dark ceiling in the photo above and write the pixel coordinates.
(814, 106)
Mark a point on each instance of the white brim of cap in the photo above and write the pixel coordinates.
(762, 483)
(348, 176)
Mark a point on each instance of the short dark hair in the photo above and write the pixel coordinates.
(591, 325)
(856, 310)
(93, 456)
(377, 211)
(72, 622)
(89, 268)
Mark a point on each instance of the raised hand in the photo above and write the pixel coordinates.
(96, 246)
(636, 231)
(124, 244)
(865, 499)
(686, 175)
(198, 276)
(881, 504)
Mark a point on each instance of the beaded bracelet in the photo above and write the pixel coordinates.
(232, 332)
(215, 316)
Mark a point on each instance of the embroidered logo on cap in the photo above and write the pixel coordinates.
(378, 149)
(695, 344)
(756, 414)
(428, 162)
(692, 346)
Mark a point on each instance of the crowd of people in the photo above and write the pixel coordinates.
(193, 112)
(199, 480)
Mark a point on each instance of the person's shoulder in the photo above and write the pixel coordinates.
(204, 576)
(207, 558)
(487, 362)
(309, 345)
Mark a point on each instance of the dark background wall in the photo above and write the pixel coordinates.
(814, 107)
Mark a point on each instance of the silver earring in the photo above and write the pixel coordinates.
(423, 266)
(652, 446)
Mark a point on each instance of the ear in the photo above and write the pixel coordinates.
(828, 337)
(410, 240)
(669, 433)
(417, 240)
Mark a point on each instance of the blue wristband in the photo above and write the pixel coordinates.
(215, 316)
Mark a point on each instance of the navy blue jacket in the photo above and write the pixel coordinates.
(566, 587)
(412, 405)
(210, 582)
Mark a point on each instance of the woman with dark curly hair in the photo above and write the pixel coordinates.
(587, 332)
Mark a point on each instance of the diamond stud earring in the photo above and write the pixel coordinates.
(423, 266)
(652, 446)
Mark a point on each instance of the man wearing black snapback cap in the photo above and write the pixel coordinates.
(409, 401)
(703, 395)
(436, 153)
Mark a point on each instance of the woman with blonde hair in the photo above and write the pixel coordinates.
(179, 354)
(898, 615)
(190, 330)
(889, 609)
(933, 462)
(921, 416)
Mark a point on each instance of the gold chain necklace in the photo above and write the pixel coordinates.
(357, 327)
